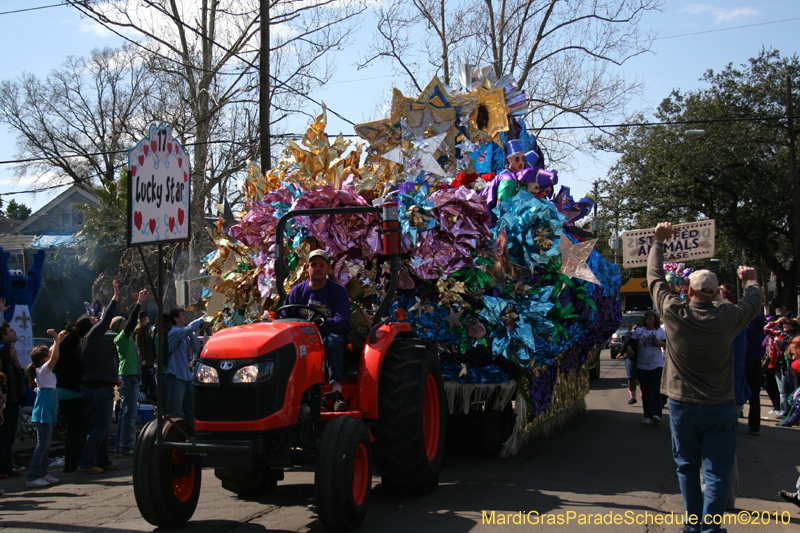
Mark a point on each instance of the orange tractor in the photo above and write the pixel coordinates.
(260, 408)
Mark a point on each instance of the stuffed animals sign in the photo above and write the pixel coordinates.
(694, 240)
(158, 189)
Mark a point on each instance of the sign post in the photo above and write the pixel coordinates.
(158, 212)
(694, 240)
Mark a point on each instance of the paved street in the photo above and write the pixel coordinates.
(603, 462)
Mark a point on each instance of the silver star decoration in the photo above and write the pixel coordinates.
(420, 156)
(453, 318)
(573, 260)
(427, 120)
(416, 261)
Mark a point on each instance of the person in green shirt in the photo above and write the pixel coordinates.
(130, 374)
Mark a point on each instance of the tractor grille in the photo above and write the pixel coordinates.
(229, 402)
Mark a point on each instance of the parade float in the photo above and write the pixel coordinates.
(506, 285)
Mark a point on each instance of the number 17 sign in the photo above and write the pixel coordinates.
(158, 189)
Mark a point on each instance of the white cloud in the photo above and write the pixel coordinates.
(94, 28)
(696, 8)
(721, 15)
(727, 15)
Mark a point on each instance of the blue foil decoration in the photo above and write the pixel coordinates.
(533, 226)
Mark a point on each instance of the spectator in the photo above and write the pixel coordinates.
(129, 368)
(649, 365)
(629, 355)
(100, 376)
(16, 397)
(770, 362)
(742, 392)
(333, 302)
(181, 344)
(783, 331)
(753, 373)
(45, 410)
(699, 380)
(792, 497)
(147, 354)
(793, 414)
(69, 371)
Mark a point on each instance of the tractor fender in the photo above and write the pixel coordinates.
(369, 369)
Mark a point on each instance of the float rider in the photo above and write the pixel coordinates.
(333, 302)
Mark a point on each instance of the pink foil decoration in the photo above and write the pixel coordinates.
(463, 227)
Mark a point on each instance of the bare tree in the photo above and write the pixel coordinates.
(562, 53)
(212, 47)
(77, 123)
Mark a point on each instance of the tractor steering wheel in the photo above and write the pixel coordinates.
(316, 313)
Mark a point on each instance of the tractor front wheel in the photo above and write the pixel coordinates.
(166, 482)
(343, 479)
(410, 429)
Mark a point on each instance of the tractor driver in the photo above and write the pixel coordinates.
(332, 300)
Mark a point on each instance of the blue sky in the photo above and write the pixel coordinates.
(38, 41)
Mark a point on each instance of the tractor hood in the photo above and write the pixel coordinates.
(254, 340)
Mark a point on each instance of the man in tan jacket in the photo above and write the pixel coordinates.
(698, 379)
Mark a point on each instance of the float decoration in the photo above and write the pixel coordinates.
(511, 297)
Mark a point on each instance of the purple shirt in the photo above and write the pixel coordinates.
(332, 300)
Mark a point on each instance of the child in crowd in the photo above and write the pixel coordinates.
(40, 372)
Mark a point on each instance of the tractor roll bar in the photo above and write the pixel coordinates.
(281, 270)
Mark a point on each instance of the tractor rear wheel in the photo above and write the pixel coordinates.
(343, 478)
(166, 482)
(410, 429)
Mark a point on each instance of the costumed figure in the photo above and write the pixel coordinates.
(506, 184)
(20, 294)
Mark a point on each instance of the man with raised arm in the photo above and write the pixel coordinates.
(698, 379)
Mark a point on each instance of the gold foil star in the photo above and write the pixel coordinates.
(493, 101)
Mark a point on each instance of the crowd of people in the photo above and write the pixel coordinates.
(81, 375)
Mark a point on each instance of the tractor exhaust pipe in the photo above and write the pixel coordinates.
(391, 247)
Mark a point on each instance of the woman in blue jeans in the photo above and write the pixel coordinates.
(649, 364)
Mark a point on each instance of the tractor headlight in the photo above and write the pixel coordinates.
(206, 374)
(254, 373)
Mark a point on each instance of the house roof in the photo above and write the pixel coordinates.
(15, 242)
(8, 224)
(90, 197)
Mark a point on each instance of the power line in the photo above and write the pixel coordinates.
(725, 29)
(77, 181)
(111, 152)
(295, 136)
(31, 9)
(668, 123)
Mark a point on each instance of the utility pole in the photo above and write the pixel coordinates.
(263, 97)
(795, 189)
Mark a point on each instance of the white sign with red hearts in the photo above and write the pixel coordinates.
(158, 189)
